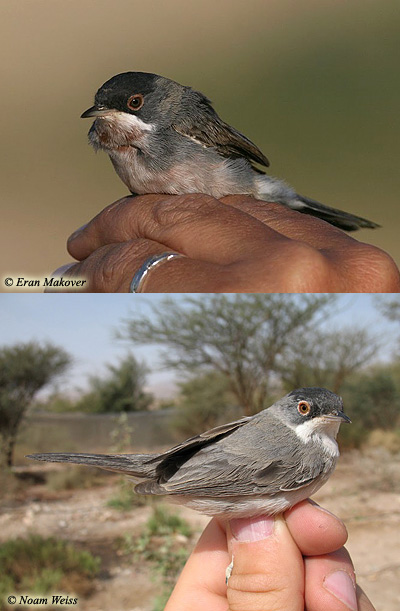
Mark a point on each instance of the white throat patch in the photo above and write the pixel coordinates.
(322, 430)
(124, 120)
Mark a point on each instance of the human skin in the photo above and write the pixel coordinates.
(301, 565)
(236, 244)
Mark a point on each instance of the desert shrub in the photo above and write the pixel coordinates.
(371, 400)
(163, 523)
(120, 389)
(204, 401)
(165, 544)
(39, 565)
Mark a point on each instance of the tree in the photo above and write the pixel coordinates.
(204, 401)
(372, 401)
(327, 359)
(24, 370)
(121, 390)
(244, 337)
(388, 306)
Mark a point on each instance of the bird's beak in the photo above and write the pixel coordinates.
(339, 415)
(96, 111)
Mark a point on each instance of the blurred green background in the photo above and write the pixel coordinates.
(314, 84)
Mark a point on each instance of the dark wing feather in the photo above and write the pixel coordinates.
(168, 463)
(201, 122)
(198, 441)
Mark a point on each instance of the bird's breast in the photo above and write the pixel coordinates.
(150, 162)
(143, 173)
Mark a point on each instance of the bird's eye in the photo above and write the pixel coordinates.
(135, 102)
(303, 408)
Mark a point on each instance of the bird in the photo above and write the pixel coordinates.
(257, 465)
(163, 137)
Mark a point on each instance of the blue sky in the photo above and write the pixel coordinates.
(85, 326)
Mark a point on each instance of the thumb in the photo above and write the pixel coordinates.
(268, 568)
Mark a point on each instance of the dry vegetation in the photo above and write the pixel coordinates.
(141, 549)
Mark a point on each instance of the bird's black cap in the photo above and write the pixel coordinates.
(115, 92)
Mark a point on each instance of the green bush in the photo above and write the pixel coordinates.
(163, 523)
(371, 400)
(39, 565)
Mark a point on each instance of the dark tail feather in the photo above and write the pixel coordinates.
(131, 464)
(338, 218)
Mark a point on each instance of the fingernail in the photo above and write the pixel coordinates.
(252, 529)
(324, 510)
(76, 233)
(61, 270)
(342, 587)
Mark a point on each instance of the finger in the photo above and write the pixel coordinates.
(196, 225)
(201, 584)
(315, 530)
(330, 582)
(60, 272)
(290, 223)
(111, 268)
(267, 566)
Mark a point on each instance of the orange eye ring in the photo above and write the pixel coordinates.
(135, 101)
(304, 408)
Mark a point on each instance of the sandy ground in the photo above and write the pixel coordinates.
(363, 492)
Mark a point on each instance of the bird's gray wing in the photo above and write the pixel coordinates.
(284, 477)
(246, 464)
(228, 476)
(169, 462)
(203, 124)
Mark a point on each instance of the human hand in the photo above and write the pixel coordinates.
(238, 244)
(301, 565)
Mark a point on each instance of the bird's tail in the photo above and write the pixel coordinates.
(338, 218)
(130, 464)
(275, 190)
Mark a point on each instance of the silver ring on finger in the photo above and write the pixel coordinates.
(150, 263)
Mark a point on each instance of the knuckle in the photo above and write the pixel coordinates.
(373, 270)
(103, 270)
(113, 217)
(259, 591)
(110, 267)
(182, 208)
(253, 583)
(307, 269)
